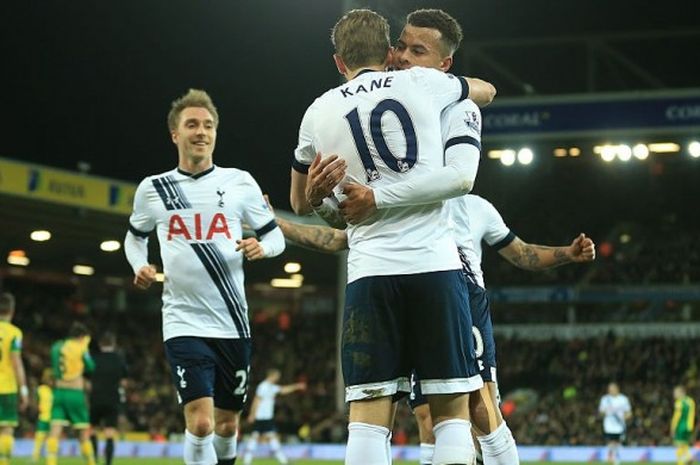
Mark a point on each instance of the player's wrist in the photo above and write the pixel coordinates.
(315, 203)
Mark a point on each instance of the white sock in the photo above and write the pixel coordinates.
(453, 443)
(426, 453)
(276, 448)
(225, 447)
(616, 454)
(199, 451)
(250, 450)
(498, 447)
(366, 444)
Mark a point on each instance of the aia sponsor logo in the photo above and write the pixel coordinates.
(198, 230)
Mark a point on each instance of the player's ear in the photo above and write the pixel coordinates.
(389, 60)
(446, 63)
(342, 69)
(173, 137)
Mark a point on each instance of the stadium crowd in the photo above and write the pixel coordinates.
(550, 389)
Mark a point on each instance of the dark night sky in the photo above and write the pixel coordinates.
(92, 80)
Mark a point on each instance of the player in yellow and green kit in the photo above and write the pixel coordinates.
(44, 396)
(12, 377)
(70, 359)
(683, 424)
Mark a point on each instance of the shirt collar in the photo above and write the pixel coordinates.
(198, 175)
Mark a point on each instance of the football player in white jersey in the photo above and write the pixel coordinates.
(197, 210)
(262, 415)
(615, 409)
(403, 260)
(487, 225)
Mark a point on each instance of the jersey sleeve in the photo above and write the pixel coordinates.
(260, 391)
(601, 405)
(141, 221)
(56, 360)
(275, 390)
(88, 361)
(16, 343)
(256, 212)
(462, 128)
(305, 152)
(496, 233)
(444, 89)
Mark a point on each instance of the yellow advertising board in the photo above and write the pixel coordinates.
(65, 187)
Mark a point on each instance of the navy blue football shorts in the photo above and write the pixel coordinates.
(393, 325)
(210, 367)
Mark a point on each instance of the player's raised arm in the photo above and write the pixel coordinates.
(534, 257)
(290, 388)
(480, 92)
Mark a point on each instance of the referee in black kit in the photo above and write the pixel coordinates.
(107, 395)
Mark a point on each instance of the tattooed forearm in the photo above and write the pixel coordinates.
(319, 238)
(535, 257)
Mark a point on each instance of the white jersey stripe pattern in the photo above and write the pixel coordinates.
(220, 275)
(198, 219)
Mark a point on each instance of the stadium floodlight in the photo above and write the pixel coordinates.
(694, 149)
(624, 152)
(292, 267)
(40, 235)
(664, 147)
(625, 238)
(495, 154)
(17, 258)
(640, 151)
(299, 277)
(83, 270)
(574, 152)
(508, 157)
(160, 277)
(560, 152)
(286, 283)
(110, 246)
(525, 156)
(608, 152)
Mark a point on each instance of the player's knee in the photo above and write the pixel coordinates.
(226, 428)
(200, 426)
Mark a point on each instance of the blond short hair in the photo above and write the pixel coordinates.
(361, 38)
(193, 98)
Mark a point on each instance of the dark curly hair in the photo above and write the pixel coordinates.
(450, 30)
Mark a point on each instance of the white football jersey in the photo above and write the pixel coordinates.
(267, 392)
(386, 125)
(614, 408)
(198, 220)
(475, 220)
(461, 124)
